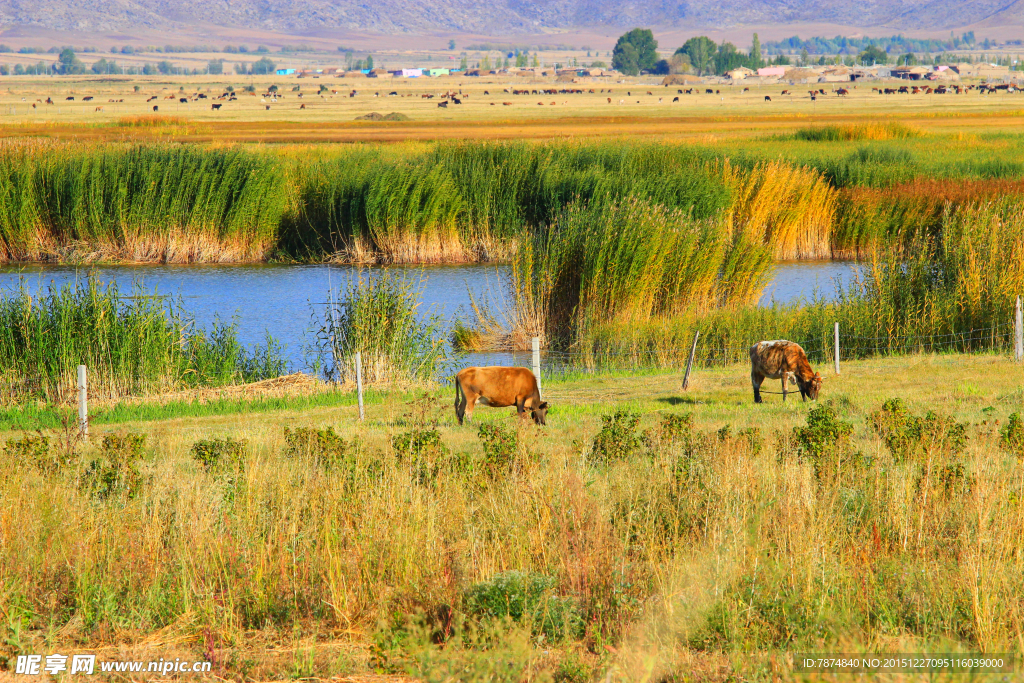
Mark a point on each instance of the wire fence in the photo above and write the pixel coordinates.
(716, 352)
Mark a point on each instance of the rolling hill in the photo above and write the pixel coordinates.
(500, 16)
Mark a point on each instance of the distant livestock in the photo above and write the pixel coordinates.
(499, 387)
(767, 98)
(156, 107)
(216, 107)
(778, 360)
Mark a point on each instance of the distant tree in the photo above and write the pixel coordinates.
(463, 64)
(635, 51)
(102, 66)
(369, 61)
(727, 58)
(679, 63)
(598, 64)
(231, 49)
(451, 44)
(701, 51)
(243, 49)
(521, 58)
(909, 59)
(262, 49)
(263, 66)
(164, 67)
(485, 63)
(215, 67)
(536, 61)
(68, 63)
(148, 69)
(804, 57)
(626, 59)
(756, 61)
(662, 67)
(872, 55)
(127, 50)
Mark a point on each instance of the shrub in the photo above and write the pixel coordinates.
(34, 450)
(528, 599)
(572, 670)
(323, 446)
(675, 428)
(423, 451)
(500, 444)
(211, 452)
(118, 469)
(618, 438)
(1011, 435)
(906, 435)
(824, 438)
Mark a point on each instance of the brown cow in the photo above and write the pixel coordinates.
(778, 360)
(499, 387)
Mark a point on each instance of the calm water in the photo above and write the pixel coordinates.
(280, 299)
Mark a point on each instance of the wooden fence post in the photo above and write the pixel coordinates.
(359, 383)
(83, 406)
(1018, 335)
(689, 363)
(535, 343)
(837, 348)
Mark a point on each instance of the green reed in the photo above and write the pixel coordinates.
(131, 345)
(377, 316)
(950, 291)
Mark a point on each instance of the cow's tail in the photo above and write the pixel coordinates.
(458, 392)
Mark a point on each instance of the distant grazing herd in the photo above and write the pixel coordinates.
(456, 97)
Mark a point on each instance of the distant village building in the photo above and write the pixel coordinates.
(439, 72)
(285, 72)
(772, 71)
(741, 73)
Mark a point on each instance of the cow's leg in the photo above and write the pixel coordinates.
(469, 401)
(460, 402)
(755, 379)
(785, 384)
(521, 407)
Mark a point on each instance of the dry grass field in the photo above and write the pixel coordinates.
(714, 553)
(638, 107)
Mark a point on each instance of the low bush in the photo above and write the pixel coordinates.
(1011, 435)
(117, 470)
(213, 452)
(528, 599)
(618, 438)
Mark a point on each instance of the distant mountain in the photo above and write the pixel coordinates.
(499, 16)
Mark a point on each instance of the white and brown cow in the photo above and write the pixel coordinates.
(781, 359)
(499, 387)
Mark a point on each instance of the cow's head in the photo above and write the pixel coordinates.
(813, 387)
(540, 413)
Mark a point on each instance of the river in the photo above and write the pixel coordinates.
(280, 298)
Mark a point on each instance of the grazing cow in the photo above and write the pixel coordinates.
(675, 99)
(610, 100)
(746, 90)
(442, 105)
(302, 106)
(70, 99)
(709, 91)
(842, 92)
(267, 106)
(505, 104)
(499, 387)
(778, 360)
(785, 92)
(767, 98)
(456, 100)
(97, 108)
(216, 107)
(156, 107)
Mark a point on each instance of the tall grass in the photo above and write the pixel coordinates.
(463, 201)
(891, 130)
(627, 262)
(377, 316)
(142, 203)
(953, 290)
(131, 345)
